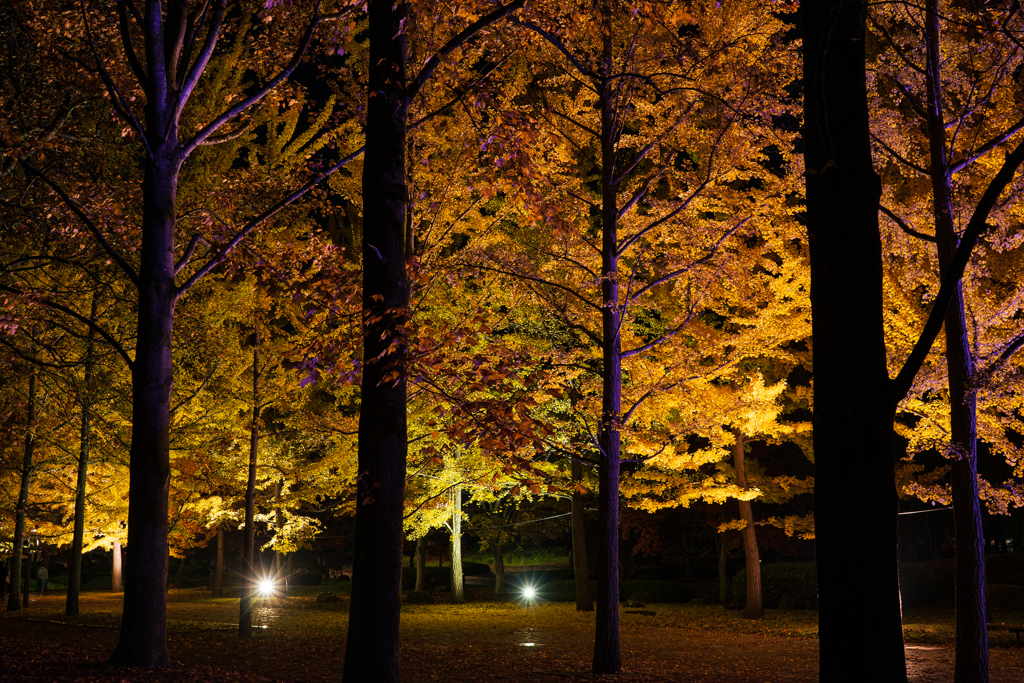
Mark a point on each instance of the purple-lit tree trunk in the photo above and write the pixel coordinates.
(607, 658)
(371, 652)
(971, 661)
(14, 599)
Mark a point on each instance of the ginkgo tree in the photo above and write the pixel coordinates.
(642, 144)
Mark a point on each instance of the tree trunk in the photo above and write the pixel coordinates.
(607, 659)
(584, 600)
(13, 602)
(421, 564)
(78, 535)
(723, 577)
(855, 504)
(249, 548)
(116, 583)
(754, 609)
(971, 630)
(371, 650)
(218, 576)
(280, 564)
(499, 567)
(458, 588)
(143, 639)
(27, 583)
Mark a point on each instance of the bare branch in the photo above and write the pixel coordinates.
(261, 219)
(188, 84)
(73, 205)
(904, 226)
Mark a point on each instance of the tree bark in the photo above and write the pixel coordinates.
(249, 548)
(971, 660)
(371, 651)
(855, 503)
(27, 583)
(499, 567)
(723, 577)
(753, 609)
(607, 658)
(584, 600)
(421, 564)
(143, 639)
(78, 534)
(218, 576)
(458, 587)
(14, 600)
(116, 583)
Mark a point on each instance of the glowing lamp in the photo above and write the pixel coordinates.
(529, 593)
(265, 587)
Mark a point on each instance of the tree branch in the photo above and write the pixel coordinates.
(904, 226)
(458, 41)
(261, 219)
(107, 247)
(978, 225)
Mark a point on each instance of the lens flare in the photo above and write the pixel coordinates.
(265, 587)
(529, 593)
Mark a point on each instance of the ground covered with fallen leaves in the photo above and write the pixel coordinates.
(302, 641)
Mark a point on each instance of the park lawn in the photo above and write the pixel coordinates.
(300, 640)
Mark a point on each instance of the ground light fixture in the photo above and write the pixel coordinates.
(265, 587)
(529, 593)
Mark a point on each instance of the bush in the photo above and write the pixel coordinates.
(799, 579)
(475, 569)
(564, 590)
(435, 577)
(304, 579)
(419, 598)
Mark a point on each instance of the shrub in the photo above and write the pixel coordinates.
(799, 579)
(435, 577)
(304, 579)
(419, 598)
(564, 590)
(475, 569)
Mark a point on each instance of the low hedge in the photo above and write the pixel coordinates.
(564, 590)
(799, 579)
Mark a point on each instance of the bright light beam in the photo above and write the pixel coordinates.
(529, 593)
(265, 587)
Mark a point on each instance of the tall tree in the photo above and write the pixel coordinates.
(854, 398)
(371, 651)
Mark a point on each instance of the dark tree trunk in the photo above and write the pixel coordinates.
(218, 576)
(13, 602)
(116, 582)
(723, 577)
(249, 547)
(27, 583)
(607, 658)
(421, 564)
(78, 535)
(371, 652)
(584, 600)
(971, 629)
(499, 567)
(143, 640)
(855, 504)
(458, 586)
(753, 609)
